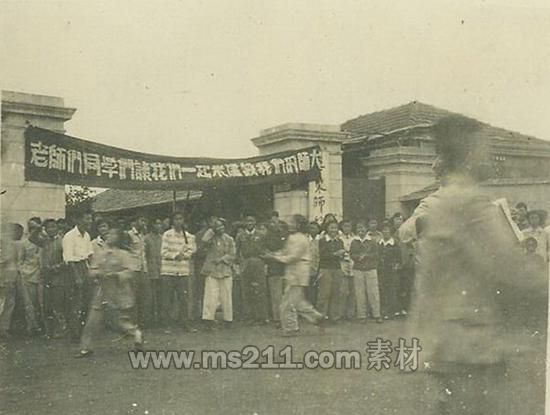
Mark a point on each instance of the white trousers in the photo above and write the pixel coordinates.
(293, 305)
(218, 291)
(366, 287)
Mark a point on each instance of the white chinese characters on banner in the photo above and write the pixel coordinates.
(53, 157)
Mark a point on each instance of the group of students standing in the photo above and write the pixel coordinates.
(145, 275)
(362, 270)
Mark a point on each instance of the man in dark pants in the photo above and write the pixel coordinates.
(77, 249)
(253, 272)
(153, 243)
(141, 283)
(177, 248)
(53, 277)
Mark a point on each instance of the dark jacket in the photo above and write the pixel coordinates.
(365, 254)
(327, 248)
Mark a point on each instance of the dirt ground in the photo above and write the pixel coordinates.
(41, 376)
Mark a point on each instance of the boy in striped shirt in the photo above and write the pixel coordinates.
(177, 247)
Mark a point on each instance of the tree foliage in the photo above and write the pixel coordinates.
(77, 198)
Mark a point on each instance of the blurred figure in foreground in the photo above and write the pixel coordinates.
(113, 268)
(8, 276)
(469, 262)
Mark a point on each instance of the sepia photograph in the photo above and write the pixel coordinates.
(260, 207)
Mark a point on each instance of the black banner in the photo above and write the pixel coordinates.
(61, 159)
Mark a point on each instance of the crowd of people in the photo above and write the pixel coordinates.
(470, 274)
(72, 280)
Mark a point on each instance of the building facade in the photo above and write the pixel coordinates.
(20, 199)
(372, 166)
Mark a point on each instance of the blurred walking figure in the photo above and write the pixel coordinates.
(467, 259)
(218, 272)
(30, 284)
(296, 256)
(54, 278)
(113, 270)
(177, 248)
(8, 275)
(77, 249)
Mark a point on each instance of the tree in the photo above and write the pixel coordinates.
(78, 198)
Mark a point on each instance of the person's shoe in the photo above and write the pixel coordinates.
(138, 340)
(189, 329)
(404, 312)
(321, 324)
(379, 320)
(84, 353)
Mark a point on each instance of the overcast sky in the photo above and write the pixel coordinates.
(193, 78)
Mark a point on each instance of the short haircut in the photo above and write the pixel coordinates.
(100, 222)
(61, 220)
(36, 219)
(314, 223)
(80, 214)
(177, 213)
(531, 240)
(454, 140)
(521, 205)
(49, 222)
(301, 223)
(361, 222)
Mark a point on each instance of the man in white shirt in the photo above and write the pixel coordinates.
(77, 249)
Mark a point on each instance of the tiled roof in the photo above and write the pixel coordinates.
(113, 200)
(381, 122)
(416, 114)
